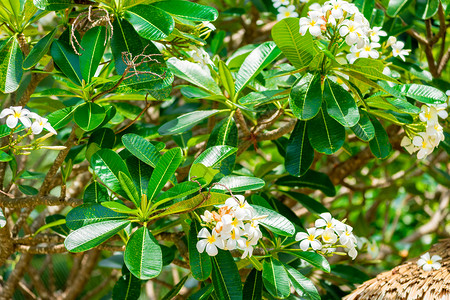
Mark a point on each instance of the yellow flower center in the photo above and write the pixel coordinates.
(233, 235)
(424, 144)
(312, 23)
(287, 13)
(367, 48)
(351, 28)
(430, 262)
(16, 114)
(235, 222)
(311, 237)
(211, 239)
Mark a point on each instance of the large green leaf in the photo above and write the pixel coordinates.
(274, 221)
(94, 44)
(130, 189)
(176, 289)
(141, 148)
(380, 145)
(426, 9)
(200, 263)
(253, 64)
(340, 104)
(128, 287)
(107, 164)
(213, 156)
(396, 6)
(299, 50)
(275, 278)
(39, 50)
(53, 4)
(253, 285)
(312, 179)
(92, 235)
(364, 128)
(140, 174)
(150, 22)
(299, 152)
(179, 191)
(186, 121)
(306, 96)
(163, 171)
(60, 118)
(328, 135)
(302, 285)
(91, 213)
(313, 258)
(66, 60)
(188, 10)
(225, 277)
(239, 184)
(422, 93)
(10, 66)
(95, 193)
(125, 39)
(89, 115)
(143, 256)
(226, 78)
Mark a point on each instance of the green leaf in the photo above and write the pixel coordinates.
(226, 78)
(53, 4)
(179, 191)
(107, 164)
(186, 121)
(53, 223)
(312, 179)
(176, 289)
(302, 285)
(422, 93)
(225, 277)
(426, 9)
(94, 44)
(89, 116)
(253, 285)
(199, 170)
(275, 278)
(254, 63)
(91, 213)
(11, 58)
(141, 148)
(213, 156)
(307, 202)
(128, 287)
(150, 22)
(95, 193)
(2, 219)
(239, 184)
(59, 228)
(118, 207)
(299, 152)
(39, 50)
(103, 137)
(195, 74)
(396, 6)
(275, 222)
(125, 39)
(66, 59)
(60, 118)
(328, 135)
(364, 128)
(313, 258)
(306, 96)
(140, 174)
(365, 7)
(188, 10)
(200, 263)
(340, 104)
(380, 145)
(299, 50)
(4, 157)
(28, 190)
(92, 235)
(143, 256)
(203, 294)
(164, 170)
(129, 188)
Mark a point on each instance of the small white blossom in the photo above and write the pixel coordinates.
(372, 249)
(428, 263)
(16, 113)
(242, 210)
(397, 50)
(329, 237)
(329, 222)
(247, 246)
(369, 50)
(209, 241)
(375, 34)
(346, 236)
(278, 3)
(313, 24)
(425, 143)
(286, 12)
(40, 123)
(200, 56)
(309, 239)
(408, 145)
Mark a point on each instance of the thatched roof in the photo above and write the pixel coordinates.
(409, 281)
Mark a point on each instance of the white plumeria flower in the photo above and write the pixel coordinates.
(337, 8)
(252, 230)
(247, 246)
(278, 3)
(375, 34)
(428, 114)
(425, 143)
(242, 210)
(361, 241)
(207, 217)
(352, 252)
(231, 239)
(200, 56)
(232, 223)
(40, 123)
(397, 50)
(16, 113)
(436, 130)
(329, 222)
(309, 239)
(209, 241)
(369, 51)
(351, 31)
(329, 237)
(391, 41)
(286, 12)
(441, 110)
(346, 236)
(373, 250)
(312, 24)
(352, 56)
(408, 145)
(428, 263)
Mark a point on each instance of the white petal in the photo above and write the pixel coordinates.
(203, 233)
(436, 258)
(5, 112)
(301, 236)
(49, 127)
(25, 121)
(11, 122)
(211, 250)
(316, 245)
(201, 245)
(315, 30)
(427, 267)
(320, 223)
(436, 265)
(36, 128)
(304, 245)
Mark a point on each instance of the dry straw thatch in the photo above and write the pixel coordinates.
(409, 281)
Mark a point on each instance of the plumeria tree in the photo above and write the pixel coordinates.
(219, 149)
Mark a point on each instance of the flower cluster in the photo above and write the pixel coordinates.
(327, 235)
(285, 9)
(428, 263)
(425, 142)
(338, 20)
(18, 113)
(234, 226)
